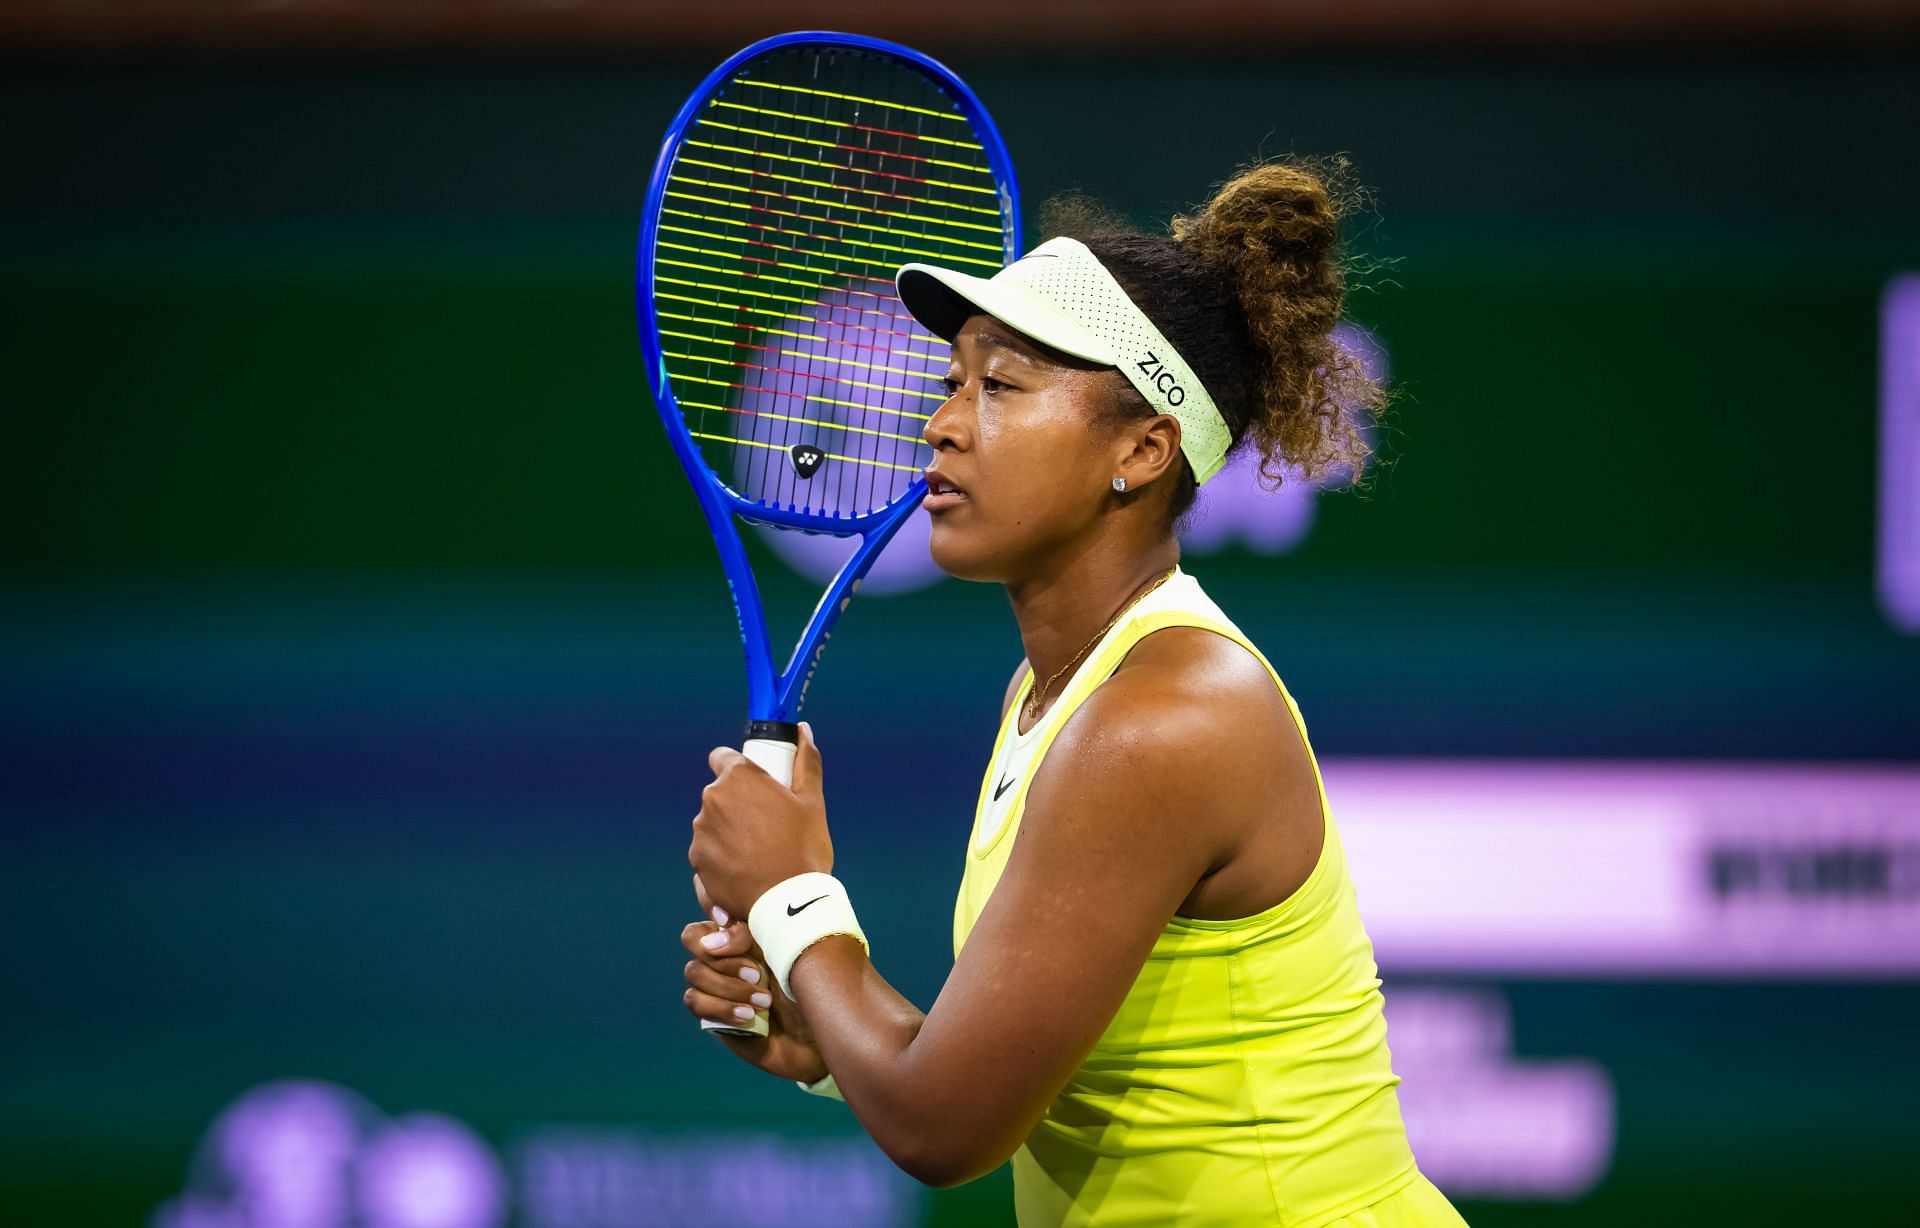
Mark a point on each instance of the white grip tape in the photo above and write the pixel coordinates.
(775, 756)
(795, 914)
(759, 1027)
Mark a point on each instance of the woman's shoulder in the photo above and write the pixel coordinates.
(1209, 730)
(1187, 703)
(1177, 757)
(1180, 664)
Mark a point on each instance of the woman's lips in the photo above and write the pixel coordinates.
(942, 494)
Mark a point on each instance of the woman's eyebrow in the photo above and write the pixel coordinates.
(987, 339)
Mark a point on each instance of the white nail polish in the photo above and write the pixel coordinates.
(715, 940)
(763, 1000)
(720, 916)
(750, 974)
(743, 1012)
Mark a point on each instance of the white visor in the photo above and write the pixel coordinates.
(1061, 296)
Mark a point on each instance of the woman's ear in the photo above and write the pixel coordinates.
(1150, 449)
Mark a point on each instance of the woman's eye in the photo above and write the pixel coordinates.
(987, 384)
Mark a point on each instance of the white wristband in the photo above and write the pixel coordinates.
(795, 914)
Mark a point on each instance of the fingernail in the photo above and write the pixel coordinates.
(750, 974)
(762, 1000)
(743, 1012)
(720, 916)
(715, 940)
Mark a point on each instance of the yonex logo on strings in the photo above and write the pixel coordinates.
(806, 459)
(1162, 378)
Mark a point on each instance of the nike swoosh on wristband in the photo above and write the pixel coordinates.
(794, 912)
(1002, 787)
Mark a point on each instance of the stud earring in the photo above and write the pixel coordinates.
(1119, 484)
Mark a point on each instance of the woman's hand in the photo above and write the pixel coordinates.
(727, 975)
(752, 832)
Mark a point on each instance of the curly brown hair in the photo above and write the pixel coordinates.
(1248, 289)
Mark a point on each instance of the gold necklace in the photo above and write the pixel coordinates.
(1036, 698)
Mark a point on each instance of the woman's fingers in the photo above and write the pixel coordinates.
(709, 941)
(720, 1010)
(723, 983)
(740, 978)
(728, 984)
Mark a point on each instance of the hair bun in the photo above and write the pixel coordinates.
(1272, 232)
(1273, 229)
(1272, 209)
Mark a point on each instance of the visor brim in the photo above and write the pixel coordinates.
(942, 299)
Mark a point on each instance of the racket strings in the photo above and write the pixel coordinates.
(801, 185)
(844, 208)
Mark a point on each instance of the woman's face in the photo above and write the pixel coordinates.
(1020, 443)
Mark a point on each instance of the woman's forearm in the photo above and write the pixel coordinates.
(913, 1104)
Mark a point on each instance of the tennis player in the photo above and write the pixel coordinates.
(1163, 1006)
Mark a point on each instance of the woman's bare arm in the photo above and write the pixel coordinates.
(1140, 796)
(1153, 787)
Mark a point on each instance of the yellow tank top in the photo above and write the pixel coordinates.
(1245, 1079)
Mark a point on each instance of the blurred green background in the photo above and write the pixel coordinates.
(360, 643)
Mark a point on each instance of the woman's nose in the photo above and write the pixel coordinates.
(946, 427)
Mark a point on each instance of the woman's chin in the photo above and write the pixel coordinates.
(959, 557)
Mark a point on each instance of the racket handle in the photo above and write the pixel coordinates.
(758, 1027)
(772, 745)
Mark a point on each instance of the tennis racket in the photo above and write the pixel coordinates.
(793, 385)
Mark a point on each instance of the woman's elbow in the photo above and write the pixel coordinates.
(947, 1132)
(944, 1162)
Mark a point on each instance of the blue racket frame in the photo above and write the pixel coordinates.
(776, 694)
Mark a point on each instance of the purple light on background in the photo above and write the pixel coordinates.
(282, 1154)
(304, 1154)
(830, 350)
(1235, 506)
(1483, 1123)
(429, 1171)
(199, 1211)
(1630, 870)
(1899, 555)
(580, 1177)
(905, 566)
